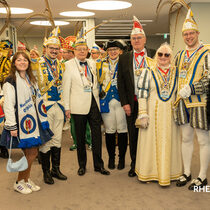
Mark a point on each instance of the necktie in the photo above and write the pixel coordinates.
(137, 54)
(83, 63)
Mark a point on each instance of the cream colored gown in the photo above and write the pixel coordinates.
(159, 145)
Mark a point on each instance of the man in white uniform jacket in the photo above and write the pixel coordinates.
(81, 100)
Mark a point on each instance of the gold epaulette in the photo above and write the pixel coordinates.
(98, 67)
(207, 46)
(151, 62)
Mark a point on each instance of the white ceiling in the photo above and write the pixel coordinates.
(142, 9)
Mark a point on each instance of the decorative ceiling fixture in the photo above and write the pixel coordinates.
(16, 10)
(77, 14)
(172, 3)
(104, 5)
(47, 23)
(8, 15)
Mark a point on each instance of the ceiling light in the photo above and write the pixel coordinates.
(15, 10)
(77, 14)
(47, 23)
(104, 5)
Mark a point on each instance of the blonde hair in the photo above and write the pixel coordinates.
(166, 46)
(35, 51)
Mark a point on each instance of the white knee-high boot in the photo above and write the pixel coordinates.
(204, 142)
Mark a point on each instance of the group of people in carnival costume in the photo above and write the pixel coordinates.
(154, 104)
(171, 109)
(164, 103)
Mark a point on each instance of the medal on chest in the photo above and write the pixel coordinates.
(164, 79)
(184, 70)
(138, 66)
(138, 71)
(164, 91)
(183, 73)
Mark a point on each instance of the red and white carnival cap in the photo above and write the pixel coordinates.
(137, 27)
(21, 46)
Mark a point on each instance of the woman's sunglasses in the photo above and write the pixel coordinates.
(165, 54)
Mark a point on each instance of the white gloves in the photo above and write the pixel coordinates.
(142, 121)
(185, 92)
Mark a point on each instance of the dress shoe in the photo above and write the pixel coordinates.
(102, 171)
(81, 171)
(182, 181)
(198, 183)
(131, 173)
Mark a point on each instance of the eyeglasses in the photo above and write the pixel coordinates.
(95, 53)
(160, 54)
(189, 34)
(136, 38)
(113, 49)
(52, 48)
(81, 49)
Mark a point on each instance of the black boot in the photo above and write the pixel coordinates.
(122, 146)
(45, 161)
(56, 156)
(4, 152)
(110, 145)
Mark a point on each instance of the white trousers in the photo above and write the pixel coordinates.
(187, 149)
(56, 120)
(115, 120)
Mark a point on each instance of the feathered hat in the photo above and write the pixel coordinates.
(189, 23)
(137, 27)
(53, 38)
(68, 43)
(80, 41)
